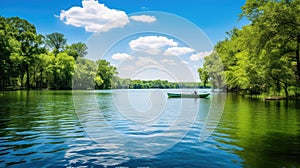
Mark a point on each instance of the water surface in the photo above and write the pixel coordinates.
(143, 128)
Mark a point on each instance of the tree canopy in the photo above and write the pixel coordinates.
(25, 62)
(262, 57)
(56, 42)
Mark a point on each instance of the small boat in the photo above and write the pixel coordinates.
(276, 98)
(178, 95)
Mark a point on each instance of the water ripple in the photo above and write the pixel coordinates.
(45, 129)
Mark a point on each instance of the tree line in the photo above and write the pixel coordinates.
(119, 83)
(261, 57)
(33, 61)
(29, 60)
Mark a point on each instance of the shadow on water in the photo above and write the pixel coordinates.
(283, 103)
(276, 149)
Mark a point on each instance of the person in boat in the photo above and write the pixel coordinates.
(195, 92)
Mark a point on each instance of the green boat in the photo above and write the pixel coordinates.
(178, 95)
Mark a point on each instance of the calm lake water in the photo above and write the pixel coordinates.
(143, 128)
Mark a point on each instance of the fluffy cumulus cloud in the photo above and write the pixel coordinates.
(144, 61)
(151, 44)
(143, 18)
(121, 56)
(168, 61)
(94, 17)
(200, 55)
(126, 68)
(184, 62)
(178, 51)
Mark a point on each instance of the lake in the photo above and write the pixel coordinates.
(143, 128)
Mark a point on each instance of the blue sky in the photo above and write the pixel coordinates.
(153, 39)
(214, 17)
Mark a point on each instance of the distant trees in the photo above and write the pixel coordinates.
(262, 57)
(119, 83)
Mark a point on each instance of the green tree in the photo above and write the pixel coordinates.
(58, 70)
(49, 70)
(264, 55)
(64, 66)
(77, 50)
(39, 76)
(203, 75)
(279, 38)
(105, 72)
(8, 47)
(214, 66)
(25, 34)
(85, 73)
(56, 42)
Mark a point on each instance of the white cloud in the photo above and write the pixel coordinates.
(94, 17)
(126, 68)
(200, 55)
(151, 44)
(184, 62)
(168, 61)
(143, 18)
(178, 51)
(144, 61)
(121, 56)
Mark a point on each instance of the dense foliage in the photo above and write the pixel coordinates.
(119, 83)
(31, 61)
(262, 57)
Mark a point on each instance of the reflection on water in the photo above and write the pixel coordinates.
(119, 123)
(34, 126)
(268, 132)
(144, 128)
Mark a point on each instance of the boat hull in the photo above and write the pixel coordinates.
(177, 95)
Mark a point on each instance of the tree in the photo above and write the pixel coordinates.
(25, 61)
(25, 34)
(56, 42)
(85, 73)
(8, 46)
(279, 25)
(203, 75)
(105, 73)
(214, 67)
(64, 69)
(264, 55)
(77, 50)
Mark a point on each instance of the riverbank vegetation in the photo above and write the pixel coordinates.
(119, 83)
(33, 61)
(263, 56)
